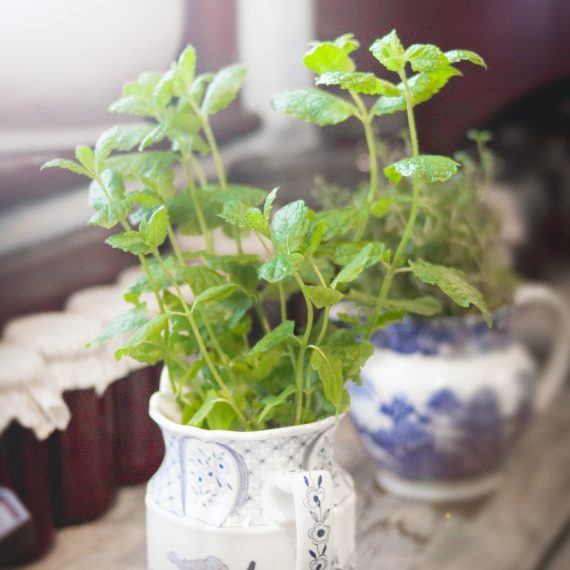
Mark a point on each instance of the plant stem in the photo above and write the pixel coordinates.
(220, 172)
(394, 266)
(203, 349)
(302, 351)
(197, 206)
(366, 120)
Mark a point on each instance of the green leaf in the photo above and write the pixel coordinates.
(328, 366)
(352, 351)
(268, 205)
(211, 400)
(131, 242)
(289, 227)
(145, 198)
(452, 283)
(277, 268)
(457, 55)
(339, 221)
(155, 136)
(425, 306)
(426, 57)
(200, 278)
(138, 96)
(316, 235)
(221, 417)
(279, 334)
(326, 56)
(156, 229)
(133, 166)
(423, 87)
(185, 72)
(108, 213)
(382, 206)
(86, 156)
(215, 294)
(235, 212)
(272, 402)
(313, 106)
(430, 168)
(242, 269)
(199, 86)
(356, 266)
(347, 42)
(150, 331)
(125, 323)
(365, 83)
(324, 296)
(389, 51)
(343, 252)
(66, 164)
(224, 88)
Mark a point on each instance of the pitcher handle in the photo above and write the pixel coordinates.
(554, 373)
(304, 499)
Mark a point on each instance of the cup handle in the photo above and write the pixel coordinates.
(554, 373)
(306, 500)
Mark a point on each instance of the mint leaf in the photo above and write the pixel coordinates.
(185, 72)
(268, 205)
(224, 88)
(200, 278)
(108, 213)
(289, 227)
(131, 242)
(125, 323)
(389, 52)
(132, 166)
(326, 56)
(271, 402)
(328, 366)
(382, 207)
(211, 400)
(66, 164)
(365, 83)
(339, 221)
(425, 306)
(324, 296)
(313, 106)
(86, 156)
(430, 168)
(343, 252)
(457, 55)
(347, 42)
(355, 267)
(452, 283)
(426, 57)
(151, 331)
(215, 294)
(155, 230)
(275, 337)
(316, 235)
(277, 268)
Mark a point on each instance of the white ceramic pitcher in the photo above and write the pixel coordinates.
(263, 500)
(444, 400)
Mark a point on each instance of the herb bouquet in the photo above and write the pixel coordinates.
(251, 407)
(440, 393)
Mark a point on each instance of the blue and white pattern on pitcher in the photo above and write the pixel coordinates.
(220, 483)
(445, 335)
(444, 438)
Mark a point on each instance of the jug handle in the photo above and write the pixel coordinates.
(554, 373)
(306, 500)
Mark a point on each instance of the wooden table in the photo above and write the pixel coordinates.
(512, 530)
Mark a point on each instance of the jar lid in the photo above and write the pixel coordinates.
(54, 335)
(104, 302)
(20, 366)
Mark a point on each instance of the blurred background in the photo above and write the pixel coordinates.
(63, 62)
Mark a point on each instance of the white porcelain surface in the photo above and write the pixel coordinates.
(272, 500)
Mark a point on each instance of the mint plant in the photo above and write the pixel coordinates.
(222, 376)
(431, 70)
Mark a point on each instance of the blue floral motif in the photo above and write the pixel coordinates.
(208, 475)
(451, 334)
(445, 439)
(320, 532)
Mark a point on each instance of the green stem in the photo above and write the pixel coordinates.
(366, 120)
(197, 206)
(201, 344)
(302, 351)
(394, 266)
